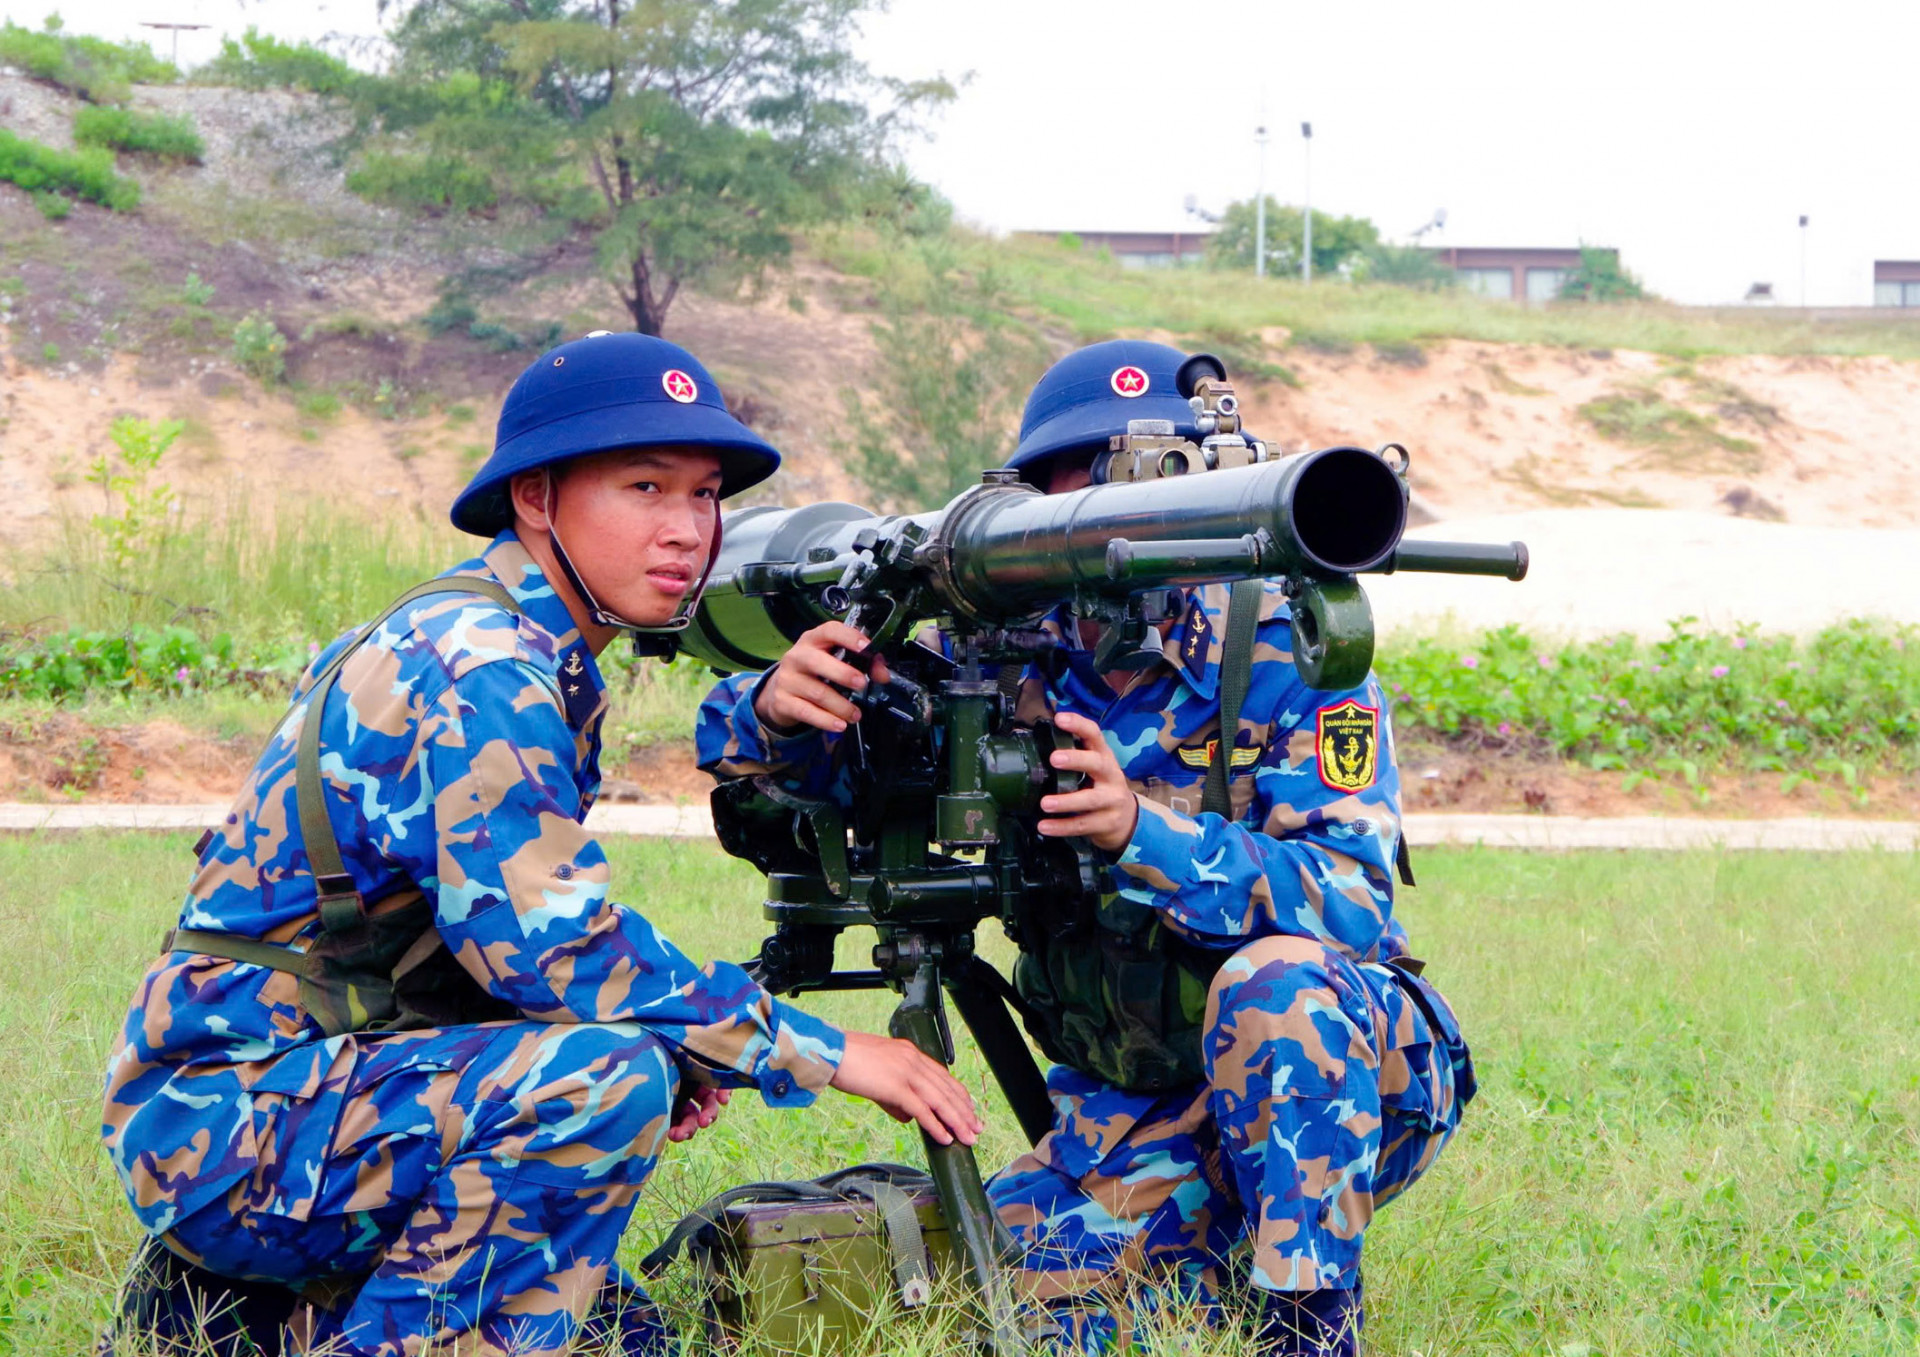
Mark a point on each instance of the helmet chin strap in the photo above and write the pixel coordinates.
(600, 613)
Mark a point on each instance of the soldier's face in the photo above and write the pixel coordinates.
(1070, 472)
(639, 524)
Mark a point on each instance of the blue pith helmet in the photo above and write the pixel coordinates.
(604, 392)
(1088, 396)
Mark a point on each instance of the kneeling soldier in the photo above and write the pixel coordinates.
(403, 1046)
(1247, 1056)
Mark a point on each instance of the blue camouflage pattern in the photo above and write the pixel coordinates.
(1328, 1089)
(483, 1172)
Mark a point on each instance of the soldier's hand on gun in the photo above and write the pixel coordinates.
(1105, 809)
(809, 686)
(908, 1085)
(698, 1108)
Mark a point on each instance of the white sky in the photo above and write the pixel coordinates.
(1688, 133)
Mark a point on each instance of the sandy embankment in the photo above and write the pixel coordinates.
(1595, 572)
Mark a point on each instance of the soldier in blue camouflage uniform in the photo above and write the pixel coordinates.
(465, 1185)
(1332, 1078)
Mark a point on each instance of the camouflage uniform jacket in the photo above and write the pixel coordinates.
(1316, 794)
(461, 750)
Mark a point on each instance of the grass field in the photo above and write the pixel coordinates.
(1698, 1131)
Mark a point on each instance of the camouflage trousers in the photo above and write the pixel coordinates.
(1328, 1093)
(480, 1177)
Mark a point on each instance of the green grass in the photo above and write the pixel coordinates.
(85, 173)
(1698, 1131)
(1092, 298)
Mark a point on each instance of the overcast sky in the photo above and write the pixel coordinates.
(1691, 134)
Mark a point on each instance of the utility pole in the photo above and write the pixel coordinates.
(1803, 261)
(1306, 253)
(1260, 208)
(175, 29)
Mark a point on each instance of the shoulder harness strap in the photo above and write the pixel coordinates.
(340, 904)
(1236, 665)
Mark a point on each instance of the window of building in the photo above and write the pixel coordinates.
(1896, 294)
(1913, 294)
(1543, 285)
(1488, 282)
(1151, 259)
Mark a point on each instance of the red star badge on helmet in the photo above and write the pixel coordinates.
(679, 386)
(1129, 381)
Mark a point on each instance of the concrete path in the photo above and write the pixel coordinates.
(1423, 831)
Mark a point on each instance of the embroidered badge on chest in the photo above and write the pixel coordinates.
(1201, 755)
(1348, 737)
(1198, 643)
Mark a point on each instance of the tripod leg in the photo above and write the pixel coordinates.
(956, 1177)
(979, 992)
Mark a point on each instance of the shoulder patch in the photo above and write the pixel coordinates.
(1347, 736)
(1197, 645)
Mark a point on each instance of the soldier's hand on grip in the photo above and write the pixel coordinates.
(809, 686)
(1103, 811)
(908, 1085)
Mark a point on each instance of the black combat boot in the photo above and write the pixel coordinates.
(170, 1306)
(1310, 1323)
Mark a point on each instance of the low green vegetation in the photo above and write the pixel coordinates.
(259, 61)
(259, 348)
(1695, 1132)
(46, 171)
(97, 70)
(1842, 704)
(152, 134)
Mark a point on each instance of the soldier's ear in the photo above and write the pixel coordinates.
(530, 493)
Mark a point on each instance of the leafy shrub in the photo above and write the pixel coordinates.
(429, 183)
(258, 62)
(196, 291)
(140, 509)
(99, 71)
(1405, 266)
(259, 348)
(1847, 696)
(52, 206)
(83, 174)
(153, 134)
(71, 664)
(1599, 278)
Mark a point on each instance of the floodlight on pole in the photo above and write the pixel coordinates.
(1306, 252)
(1260, 207)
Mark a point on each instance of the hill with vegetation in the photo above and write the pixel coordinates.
(245, 361)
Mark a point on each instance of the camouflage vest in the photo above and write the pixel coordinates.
(379, 967)
(1108, 988)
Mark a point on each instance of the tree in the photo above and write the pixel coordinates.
(1403, 266)
(1337, 241)
(689, 139)
(1599, 278)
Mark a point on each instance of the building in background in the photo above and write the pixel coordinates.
(1528, 275)
(1896, 282)
(1135, 249)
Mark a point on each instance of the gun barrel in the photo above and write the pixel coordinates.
(1507, 562)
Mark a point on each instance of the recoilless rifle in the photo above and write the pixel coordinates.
(939, 832)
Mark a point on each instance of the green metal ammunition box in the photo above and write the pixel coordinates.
(805, 1277)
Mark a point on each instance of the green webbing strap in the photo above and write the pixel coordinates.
(234, 947)
(340, 904)
(1236, 665)
(904, 1240)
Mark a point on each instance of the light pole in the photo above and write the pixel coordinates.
(1306, 253)
(1260, 208)
(1803, 261)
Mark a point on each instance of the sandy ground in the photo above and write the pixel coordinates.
(1595, 572)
